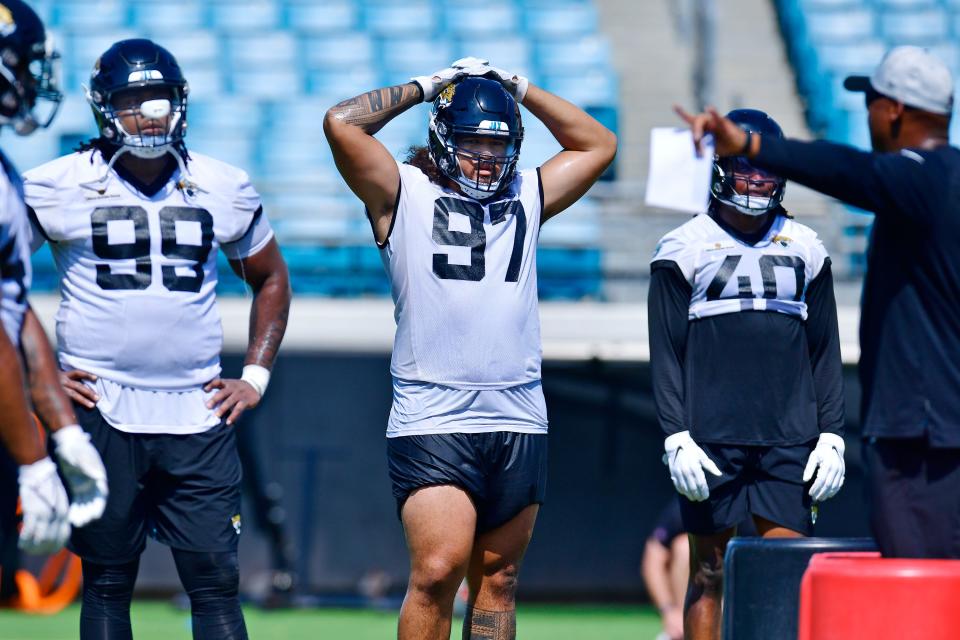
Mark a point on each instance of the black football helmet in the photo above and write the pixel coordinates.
(135, 64)
(27, 70)
(475, 107)
(736, 182)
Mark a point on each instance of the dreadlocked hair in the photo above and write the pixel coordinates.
(107, 149)
(419, 157)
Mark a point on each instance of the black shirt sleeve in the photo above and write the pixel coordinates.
(894, 184)
(823, 338)
(668, 306)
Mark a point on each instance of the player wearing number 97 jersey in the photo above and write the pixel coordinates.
(457, 225)
(135, 223)
(745, 358)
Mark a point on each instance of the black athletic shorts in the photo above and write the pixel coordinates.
(182, 490)
(503, 472)
(761, 481)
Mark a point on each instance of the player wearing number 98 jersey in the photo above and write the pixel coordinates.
(745, 358)
(457, 225)
(135, 223)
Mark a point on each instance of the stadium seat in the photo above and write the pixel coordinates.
(487, 19)
(594, 88)
(891, 598)
(841, 26)
(82, 15)
(273, 49)
(342, 82)
(403, 58)
(905, 4)
(761, 584)
(582, 54)
(192, 48)
(513, 52)
(563, 20)
(168, 16)
(225, 115)
(914, 27)
(233, 16)
(411, 18)
(236, 150)
(853, 57)
(334, 51)
(329, 16)
(266, 82)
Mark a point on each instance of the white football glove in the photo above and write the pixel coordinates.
(433, 84)
(828, 455)
(687, 461)
(516, 84)
(43, 499)
(83, 470)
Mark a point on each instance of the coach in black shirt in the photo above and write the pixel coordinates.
(910, 319)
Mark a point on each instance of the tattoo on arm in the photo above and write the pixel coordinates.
(489, 625)
(372, 110)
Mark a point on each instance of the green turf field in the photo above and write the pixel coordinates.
(161, 621)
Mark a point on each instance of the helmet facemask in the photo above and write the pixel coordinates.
(460, 126)
(749, 190)
(30, 97)
(143, 108)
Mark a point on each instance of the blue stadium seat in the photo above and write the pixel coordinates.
(595, 88)
(207, 81)
(168, 16)
(822, 5)
(511, 52)
(343, 82)
(272, 49)
(237, 150)
(914, 27)
(225, 115)
(245, 15)
(410, 18)
(561, 20)
(851, 57)
(841, 26)
(267, 81)
(403, 58)
(81, 51)
(949, 52)
(570, 56)
(906, 4)
(486, 19)
(82, 15)
(329, 16)
(338, 50)
(192, 47)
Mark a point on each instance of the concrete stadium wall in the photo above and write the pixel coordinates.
(319, 434)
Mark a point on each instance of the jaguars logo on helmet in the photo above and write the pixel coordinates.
(134, 64)
(475, 107)
(29, 97)
(736, 182)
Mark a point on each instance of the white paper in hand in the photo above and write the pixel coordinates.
(678, 179)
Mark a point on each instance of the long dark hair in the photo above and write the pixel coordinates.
(419, 157)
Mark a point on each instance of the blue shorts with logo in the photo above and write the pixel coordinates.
(183, 490)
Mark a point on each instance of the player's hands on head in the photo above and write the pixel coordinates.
(232, 398)
(46, 526)
(83, 471)
(827, 460)
(436, 82)
(516, 84)
(728, 138)
(687, 461)
(72, 382)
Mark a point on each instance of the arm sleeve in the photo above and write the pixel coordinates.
(894, 184)
(823, 338)
(667, 308)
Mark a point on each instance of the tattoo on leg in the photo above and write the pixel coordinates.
(489, 625)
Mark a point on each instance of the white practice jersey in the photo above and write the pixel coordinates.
(729, 276)
(14, 252)
(138, 273)
(464, 283)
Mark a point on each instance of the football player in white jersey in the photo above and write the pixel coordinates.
(457, 225)
(29, 100)
(745, 358)
(134, 223)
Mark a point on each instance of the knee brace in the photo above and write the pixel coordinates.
(107, 591)
(212, 582)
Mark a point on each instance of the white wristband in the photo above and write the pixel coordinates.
(257, 377)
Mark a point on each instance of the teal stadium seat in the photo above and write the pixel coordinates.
(327, 17)
(410, 18)
(335, 51)
(237, 16)
(928, 26)
(561, 20)
(169, 16)
(90, 15)
(476, 19)
(402, 58)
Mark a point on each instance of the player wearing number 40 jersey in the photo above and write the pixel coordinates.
(745, 357)
(134, 223)
(458, 226)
